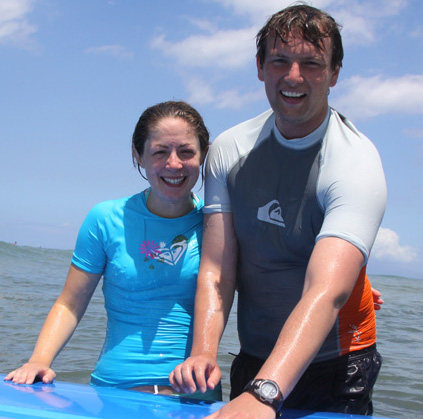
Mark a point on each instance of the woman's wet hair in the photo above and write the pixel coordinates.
(312, 24)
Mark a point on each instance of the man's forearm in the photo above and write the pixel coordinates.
(216, 283)
(301, 338)
(331, 275)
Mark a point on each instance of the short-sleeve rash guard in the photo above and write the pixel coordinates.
(285, 195)
(149, 266)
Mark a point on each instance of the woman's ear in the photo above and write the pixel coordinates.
(137, 156)
(203, 157)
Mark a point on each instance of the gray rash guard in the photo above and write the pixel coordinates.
(284, 196)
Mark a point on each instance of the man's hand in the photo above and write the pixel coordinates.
(202, 371)
(245, 406)
(28, 373)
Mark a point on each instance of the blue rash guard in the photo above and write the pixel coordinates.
(149, 266)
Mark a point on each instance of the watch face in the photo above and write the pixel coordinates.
(269, 390)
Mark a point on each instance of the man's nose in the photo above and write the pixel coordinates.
(293, 75)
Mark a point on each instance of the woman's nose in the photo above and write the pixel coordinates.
(173, 161)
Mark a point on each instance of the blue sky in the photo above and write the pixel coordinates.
(75, 75)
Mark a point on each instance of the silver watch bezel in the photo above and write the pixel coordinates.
(255, 387)
(272, 384)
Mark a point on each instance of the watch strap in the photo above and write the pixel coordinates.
(254, 388)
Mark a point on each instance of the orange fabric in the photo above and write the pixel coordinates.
(357, 320)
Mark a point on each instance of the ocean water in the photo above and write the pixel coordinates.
(32, 278)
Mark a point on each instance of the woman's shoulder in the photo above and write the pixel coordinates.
(115, 205)
(199, 203)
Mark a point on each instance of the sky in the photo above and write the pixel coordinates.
(75, 76)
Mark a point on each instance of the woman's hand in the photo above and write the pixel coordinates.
(30, 372)
(377, 299)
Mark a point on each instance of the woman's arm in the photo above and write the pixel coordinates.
(58, 327)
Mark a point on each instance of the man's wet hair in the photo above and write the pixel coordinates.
(311, 23)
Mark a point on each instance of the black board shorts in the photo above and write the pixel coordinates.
(341, 385)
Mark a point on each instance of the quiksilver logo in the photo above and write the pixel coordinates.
(271, 213)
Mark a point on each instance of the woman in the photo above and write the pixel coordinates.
(147, 248)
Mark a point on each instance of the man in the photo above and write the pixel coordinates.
(294, 200)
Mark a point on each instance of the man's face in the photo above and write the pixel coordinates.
(297, 77)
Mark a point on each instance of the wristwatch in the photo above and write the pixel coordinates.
(267, 392)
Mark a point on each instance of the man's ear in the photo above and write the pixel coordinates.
(335, 76)
(259, 69)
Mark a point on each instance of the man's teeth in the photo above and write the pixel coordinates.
(292, 94)
(174, 181)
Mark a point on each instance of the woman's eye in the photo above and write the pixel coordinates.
(187, 152)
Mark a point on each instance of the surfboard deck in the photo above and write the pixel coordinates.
(63, 400)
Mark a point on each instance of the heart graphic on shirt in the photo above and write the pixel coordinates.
(172, 255)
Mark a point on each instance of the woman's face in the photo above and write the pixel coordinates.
(172, 160)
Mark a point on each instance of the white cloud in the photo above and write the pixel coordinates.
(113, 50)
(360, 97)
(227, 49)
(14, 26)
(387, 246)
(413, 132)
(231, 49)
(233, 99)
(257, 11)
(203, 24)
(361, 21)
(417, 32)
(202, 93)
(14, 9)
(356, 29)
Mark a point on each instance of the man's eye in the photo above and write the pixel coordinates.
(312, 64)
(279, 61)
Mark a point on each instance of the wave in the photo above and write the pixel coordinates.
(16, 255)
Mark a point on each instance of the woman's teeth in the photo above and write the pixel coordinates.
(174, 181)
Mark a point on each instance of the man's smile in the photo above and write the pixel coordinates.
(294, 95)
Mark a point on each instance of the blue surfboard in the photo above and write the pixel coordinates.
(62, 400)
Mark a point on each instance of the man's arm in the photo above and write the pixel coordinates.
(330, 278)
(331, 275)
(213, 302)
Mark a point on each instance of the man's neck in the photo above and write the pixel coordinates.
(296, 129)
